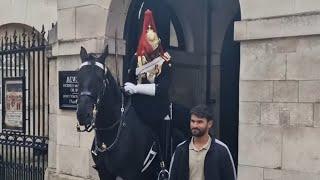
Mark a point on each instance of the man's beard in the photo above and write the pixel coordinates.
(198, 132)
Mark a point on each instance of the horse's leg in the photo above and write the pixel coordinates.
(104, 174)
(100, 167)
(152, 171)
(149, 174)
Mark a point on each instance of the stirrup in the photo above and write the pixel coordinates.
(164, 173)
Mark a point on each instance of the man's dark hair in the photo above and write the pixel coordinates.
(202, 111)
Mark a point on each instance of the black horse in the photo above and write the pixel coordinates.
(123, 146)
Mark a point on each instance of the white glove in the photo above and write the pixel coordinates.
(130, 88)
(147, 89)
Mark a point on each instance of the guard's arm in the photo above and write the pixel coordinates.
(164, 79)
(132, 70)
(159, 89)
(147, 89)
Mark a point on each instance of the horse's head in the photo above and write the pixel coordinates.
(91, 78)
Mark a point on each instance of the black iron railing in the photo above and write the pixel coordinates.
(24, 134)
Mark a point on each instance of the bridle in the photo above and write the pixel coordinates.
(91, 126)
(97, 100)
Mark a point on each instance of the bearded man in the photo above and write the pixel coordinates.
(202, 157)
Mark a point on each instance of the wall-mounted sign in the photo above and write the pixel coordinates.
(68, 89)
(13, 104)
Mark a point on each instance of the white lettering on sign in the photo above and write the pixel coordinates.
(71, 79)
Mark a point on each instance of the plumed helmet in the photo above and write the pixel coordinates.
(149, 40)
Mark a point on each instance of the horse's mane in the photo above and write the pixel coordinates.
(112, 97)
(113, 85)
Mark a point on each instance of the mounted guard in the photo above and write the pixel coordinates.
(123, 145)
(149, 79)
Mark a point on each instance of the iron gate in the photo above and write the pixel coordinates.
(24, 135)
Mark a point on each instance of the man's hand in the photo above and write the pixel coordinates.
(130, 88)
(146, 89)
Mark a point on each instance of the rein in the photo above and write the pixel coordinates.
(104, 147)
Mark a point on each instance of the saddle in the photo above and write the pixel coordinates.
(164, 173)
(157, 149)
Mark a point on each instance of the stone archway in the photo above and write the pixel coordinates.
(10, 28)
(114, 35)
(117, 18)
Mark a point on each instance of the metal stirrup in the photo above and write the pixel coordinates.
(164, 173)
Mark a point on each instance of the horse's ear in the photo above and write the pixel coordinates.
(104, 55)
(83, 54)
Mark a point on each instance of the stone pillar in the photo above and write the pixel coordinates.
(279, 90)
(80, 23)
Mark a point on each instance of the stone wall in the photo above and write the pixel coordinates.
(279, 90)
(256, 9)
(80, 23)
